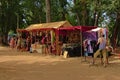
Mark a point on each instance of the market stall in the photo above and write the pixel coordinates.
(74, 45)
(59, 33)
(91, 38)
(49, 29)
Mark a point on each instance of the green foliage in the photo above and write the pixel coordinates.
(21, 13)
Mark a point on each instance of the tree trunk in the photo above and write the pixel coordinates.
(17, 21)
(77, 15)
(96, 13)
(116, 31)
(48, 11)
(84, 13)
(63, 4)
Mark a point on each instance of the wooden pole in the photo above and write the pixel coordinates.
(57, 42)
(81, 43)
(17, 21)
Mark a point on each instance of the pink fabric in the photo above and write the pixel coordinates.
(43, 40)
(85, 28)
(81, 28)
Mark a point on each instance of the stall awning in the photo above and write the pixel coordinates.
(21, 30)
(46, 26)
(81, 28)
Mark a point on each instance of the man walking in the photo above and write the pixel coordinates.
(102, 50)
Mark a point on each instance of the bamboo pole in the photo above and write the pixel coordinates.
(81, 43)
(57, 42)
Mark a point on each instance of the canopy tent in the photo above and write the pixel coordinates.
(21, 30)
(48, 26)
(100, 31)
(95, 30)
(81, 28)
(57, 26)
(90, 35)
(61, 25)
(85, 28)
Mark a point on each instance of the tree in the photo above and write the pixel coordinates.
(8, 16)
(116, 31)
(48, 11)
(113, 11)
(21, 13)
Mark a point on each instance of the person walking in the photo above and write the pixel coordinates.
(101, 50)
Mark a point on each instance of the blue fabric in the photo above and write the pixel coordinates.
(102, 45)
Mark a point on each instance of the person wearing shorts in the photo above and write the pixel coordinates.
(102, 50)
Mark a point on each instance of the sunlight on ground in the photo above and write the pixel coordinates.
(2, 48)
(115, 61)
(30, 59)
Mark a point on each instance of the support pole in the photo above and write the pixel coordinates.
(81, 43)
(57, 42)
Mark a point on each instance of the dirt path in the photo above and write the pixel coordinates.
(26, 66)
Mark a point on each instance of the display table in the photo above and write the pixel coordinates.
(38, 47)
(72, 49)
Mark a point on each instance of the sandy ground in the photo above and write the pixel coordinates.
(34, 66)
